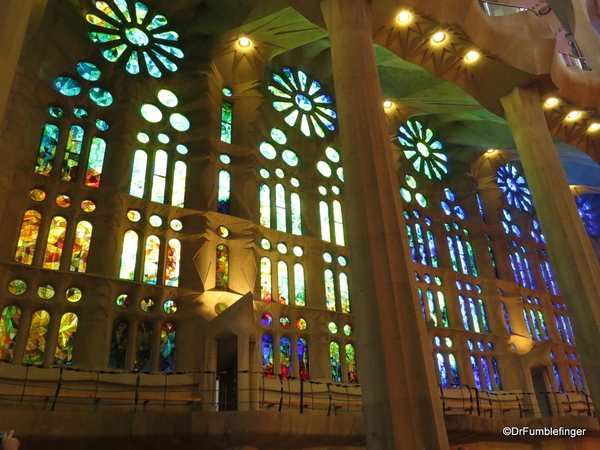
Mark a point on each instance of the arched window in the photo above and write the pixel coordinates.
(325, 226)
(472, 262)
(559, 384)
(299, 285)
(72, 154)
(280, 208)
(179, 181)
(336, 364)
(138, 176)
(285, 357)
(36, 343)
(329, 290)
(226, 122)
(266, 280)
(30, 228)
(93, 174)
(118, 344)
(224, 192)
(56, 243)
(454, 371)
(432, 249)
(496, 374)
(143, 353)
(151, 258)
(475, 369)
(166, 361)
(159, 178)
(443, 310)
(222, 269)
(486, 374)
(268, 367)
(484, 320)
(344, 293)
(173, 263)
(129, 255)
(303, 365)
(296, 207)
(47, 152)
(81, 246)
(351, 364)
(283, 288)
(338, 223)
(463, 312)
(9, 325)
(265, 205)
(474, 318)
(506, 318)
(66, 339)
(441, 365)
(452, 252)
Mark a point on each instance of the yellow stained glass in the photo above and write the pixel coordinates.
(81, 246)
(36, 344)
(55, 244)
(30, 228)
(66, 339)
(9, 325)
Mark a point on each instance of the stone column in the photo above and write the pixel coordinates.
(571, 253)
(402, 407)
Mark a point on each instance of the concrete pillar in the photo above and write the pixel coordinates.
(571, 253)
(402, 407)
(243, 363)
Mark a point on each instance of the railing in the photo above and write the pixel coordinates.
(501, 9)
(573, 61)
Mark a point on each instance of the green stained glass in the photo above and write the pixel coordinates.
(101, 97)
(133, 63)
(9, 325)
(290, 158)
(170, 65)
(280, 208)
(344, 293)
(95, 162)
(173, 263)
(167, 347)
(265, 205)
(329, 291)
(80, 113)
(67, 86)
(113, 54)
(95, 20)
(143, 138)
(56, 111)
(325, 225)
(55, 243)
(265, 280)
(122, 5)
(172, 50)
(224, 192)
(47, 150)
(66, 339)
(153, 70)
(141, 10)
(129, 255)
(102, 125)
(336, 364)
(283, 283)
(226, 122)
(159, 178)
(36, 343)
(151, 257)
(179, 182)
(351, 363)
(71, 159)
(296, 213)
(222, 268)
(299, 285)
(157, 22)
(102, 37)
(81, 247)
(333, 329)
(138, 176)
(168, 98)
(137, 37)
(17, 287)
(179, 122)
(89, 71)
(169, 36)
(278, 136)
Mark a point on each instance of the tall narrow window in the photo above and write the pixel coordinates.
(325, 226)
(226, 122)
(432, 306)
(527, 323)
(138, 175)
(443, 310)
(296, 208)
(452, 252)
(179, 180)
(47, 152)
(265, 280)
(36, 343)
(535, 325)
(222, 269)
(267, 355)
(224, 192)
(338, 223)
(493, 259)
(72, 154)
(566, 330)
(474, 317)
(329, 290)
(336, 364)
(9, 325)
(285, 357)
(543, 324)
(66, 339)
(151, 256)
(351, 364)
(159, 179)
(441, 365)
(303, 365)
(432, 249)
(299, 285)
(81, 246)
(143, 353)
(472, 261)
(411, 242)
(475, 369)
(265, 205)
(344, 293)
(559, 328)
(173, 263)
(496, 374)
(454, 371)
(463, 312)
(118, 344)
(462, 256)
(166, 361)
(506, 318)
(421, 244)
(484, 320)
(56, 243)
(283, 288)
(30, 228)
(93, 173)
(129, 255)
(557, 378)
(280, 208)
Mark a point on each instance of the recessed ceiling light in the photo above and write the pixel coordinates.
(387, 104)
(594, 127)
(573, 115)
(472, 56)
(244, 42)
(551, 101)
(438, 37)
(404, 17)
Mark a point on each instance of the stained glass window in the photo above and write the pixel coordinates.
(159, 179)
(325, 226)
(118, 344)
(432, 249)
(285, 357)
(224, 192)
(222, 269)
(283, 283)
(463, 312)
(151, 258)
(299, 285)
(173, 263)
(303, 363)
(443, 311)
(72, 153)
(9, 325)
(93, 173)
(47, 152)
(55, 244)
(454, 371)
(344, 293)
(226, 122)
(280, 208)
(265, 205)
(484, 320)
(422, 150)
(557, 378)
(506, 317)
(296, 213)
(268, 366)
(486, 374)
(452, 251)
(265, 280)
(496, 374)
(329, 290)
(66, 339)
(559, 328)
(475, 369)
(441, 365)
(351, 364)
(30, 228)
(432, 306)
(143, 353)
(138, 175)
(512, 183)
(81, 246)
(167, 348)
(179, 181)
(338, 223)
(336, 364)
(129, 255)
(36, 343)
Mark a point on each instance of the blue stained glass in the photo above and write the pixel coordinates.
(89, 71)
(449, 194)
(506, 318)
(169, 36)
(133, 64)
(224, 192)
(475, 368)
(157, 22)
(580, 379)
(460, 212)
(432, 308)
(56, 111)
(484, 320)
(432, 249)
(452, 253)
(443, 311)
(557, 378)
(153, 70)
(559, 328)
(527, 323)
(473, 309)
(268, 366)
(535, 324)
(463, 257)
(480, 207)
(571, 329)
(471, 254)
(47, 150)
(423, 309)
(80, 113)
(411, 243)
(141, 10)
(102, 125)
(421, 241)
(496, 374)
(442, 370)
(454, 371)
(566, 330)
(572, 373)
(101, 97)
(486, 374)
(463, 312)
(67, 86)
(543, 323)
(529, 273)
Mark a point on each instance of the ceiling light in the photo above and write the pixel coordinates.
(491, 150)
(244, 42)
(551, 101)
(387, 104)
(438, 37)
(573, 115)
(472, 56)
(594, 127)
(404, 17)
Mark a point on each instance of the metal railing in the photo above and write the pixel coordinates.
(500, 9)
(573, 61)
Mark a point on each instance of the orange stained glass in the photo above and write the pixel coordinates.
(66, 339)
(36, 344)
(37, 195)
(265, 280)
(88, 206)
(173, 261)
(151, 260)
(55, 244)
(9, 325)
(222, 275)
(30, 229)
(63, 201)
(81, 246)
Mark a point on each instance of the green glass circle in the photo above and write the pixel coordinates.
(170, 307)
(347, 330)
(278, 136)
(168, 98)
(265, 243)
(151, 113)
(137, 37)
(333, 329)
(179, 122)
(73, 294)
(46, 291)
(123, 301)
(17, 287)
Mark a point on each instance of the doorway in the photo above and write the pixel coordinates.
(226, 383)
(541, 392)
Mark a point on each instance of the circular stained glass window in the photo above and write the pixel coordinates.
(449, 342)
(151, 113)
(123, 301)
(301, 324)
(266, 319)
(102, 125)
(460, 212)
(225, 159)
(101, 97)
(470, 344)
(278, 136)
(155, 221)
(17, 287)
(438, 280)
(37, 195)
(168, 98)
(332, 327)
(480, 346)
(227, 92)
(63, 201)
(406, 195)
(327, 257)
(73, 294)
(55, 111)
(295, 182)
(67, 86)
(143, 138)
(290, 158)
(265, 243)
(335, 190)
(438, 341)
(147, 305)
(280, 173)
(322, 190)
(88, 71)
(46, 291)
(282, 248)
(410, 181)
(88, 206)
(347, 330)
(332, 154)
(342, 261)
(181, 149)
(267, 150)
(179, 122)
(163, 138)
(220, 307)
(176, 225)
(223, 231)
(284, 322)
(449, 194)
(324, 169)
(133, 215)
(170, 307)
(421, 200)
(264, 173)
(298, 251)
(80, 113)
(340, 173)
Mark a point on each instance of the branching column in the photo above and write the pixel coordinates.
(571, 253)
(401, 398)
